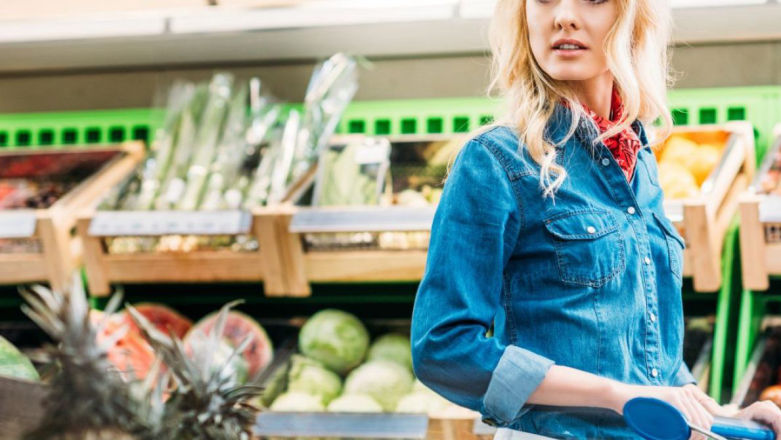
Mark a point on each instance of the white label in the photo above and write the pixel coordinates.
(370, 154)
(138, 223)
(17, 224)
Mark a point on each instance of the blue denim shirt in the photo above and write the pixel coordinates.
(589, 280)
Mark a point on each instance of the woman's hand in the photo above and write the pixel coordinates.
(697, 406)
(764, 412)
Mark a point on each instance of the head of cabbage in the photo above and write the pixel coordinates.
(386, 382)
(311, 377)
(296, 401)
(392, 347)
(358, 403)
(336, 338)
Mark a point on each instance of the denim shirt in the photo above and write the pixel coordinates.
(590, 280)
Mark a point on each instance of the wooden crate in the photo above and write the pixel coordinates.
(703, 220)
(760, 228)
(260, 264)
(60, 251)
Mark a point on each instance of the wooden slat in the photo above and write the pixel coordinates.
(773, 258)
(752, 245)
(199, 266)
(706, 259)
(89, 191)
(365, 266)
(22, 268)
(94, 259)
(287, 267)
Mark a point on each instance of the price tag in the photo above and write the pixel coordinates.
(673, 210)
(366, 219)
(374, 153)
(770, 209)
(145, 223)
(17, 224)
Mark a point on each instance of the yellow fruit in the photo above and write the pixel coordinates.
(679, 150)
(705, 160)
(676, 181)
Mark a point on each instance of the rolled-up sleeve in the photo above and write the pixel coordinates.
(684, 376)
(473, 235)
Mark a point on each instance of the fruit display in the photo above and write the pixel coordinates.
(766, 381)
(213, 154)
(338, 370)
(405, 172)
(687, 159)
(195, 395)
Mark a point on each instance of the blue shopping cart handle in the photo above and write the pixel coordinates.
(656, 419)
(741, 429)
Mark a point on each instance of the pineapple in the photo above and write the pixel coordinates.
(206, 402)
(88, 398)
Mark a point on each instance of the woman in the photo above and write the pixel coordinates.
(550, 234)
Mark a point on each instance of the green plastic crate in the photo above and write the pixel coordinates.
(56, 130)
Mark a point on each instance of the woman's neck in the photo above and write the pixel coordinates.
(596, 93)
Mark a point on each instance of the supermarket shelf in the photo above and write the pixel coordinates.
(222, 34)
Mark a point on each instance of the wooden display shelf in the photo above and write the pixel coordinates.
(760, 228)
(258, 264)
(60, 251)
(704, 220)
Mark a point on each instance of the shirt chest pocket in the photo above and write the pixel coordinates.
(588, 245)
(675, 245)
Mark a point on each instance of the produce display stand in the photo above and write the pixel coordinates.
(703, 220)
(760, 233)
(258, 262)
(761, 267)
(715, 372)
(60, 253)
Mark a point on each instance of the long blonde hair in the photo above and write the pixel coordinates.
(636, 49)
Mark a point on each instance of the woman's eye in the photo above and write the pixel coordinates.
(596, 2)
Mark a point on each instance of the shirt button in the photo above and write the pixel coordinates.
(653, 317)
(654, 372)
(631, 210)
(606, 161)
(591, 230)
(647, 260)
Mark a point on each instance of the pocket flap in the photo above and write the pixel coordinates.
(669, 228)
(581, 225)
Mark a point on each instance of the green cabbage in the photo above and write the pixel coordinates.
(359, 403)
(384, 381)
(295, 401)
(421, 402)
(309, 376)
(337, 339)
(392, 347)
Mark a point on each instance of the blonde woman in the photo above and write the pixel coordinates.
(550, 236)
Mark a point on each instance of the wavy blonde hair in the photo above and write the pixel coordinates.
(636, 48)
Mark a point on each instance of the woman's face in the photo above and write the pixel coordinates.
(568, 36)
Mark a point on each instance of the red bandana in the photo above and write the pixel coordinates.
(625, 145)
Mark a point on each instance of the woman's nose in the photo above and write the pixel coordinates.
(566, 15)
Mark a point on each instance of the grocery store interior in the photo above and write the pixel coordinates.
(271, 168)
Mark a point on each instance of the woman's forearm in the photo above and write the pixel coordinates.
(564, 386)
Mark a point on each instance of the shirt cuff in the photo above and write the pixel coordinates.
(684, 376)
(516, 376)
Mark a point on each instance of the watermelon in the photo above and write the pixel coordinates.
(14, 364)
(258, 353)
(129, 354)
(163, 318)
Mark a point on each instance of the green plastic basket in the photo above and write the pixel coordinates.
(56, 130)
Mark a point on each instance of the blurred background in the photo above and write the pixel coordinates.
(87, 54)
